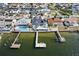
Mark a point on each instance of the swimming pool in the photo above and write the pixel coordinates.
(22, 28)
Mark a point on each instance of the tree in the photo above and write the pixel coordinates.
(60, 10)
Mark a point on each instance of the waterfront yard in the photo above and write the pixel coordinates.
(70, 47)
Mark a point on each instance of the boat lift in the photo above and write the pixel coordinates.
(59, 37)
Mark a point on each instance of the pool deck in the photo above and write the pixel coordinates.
(60, 29)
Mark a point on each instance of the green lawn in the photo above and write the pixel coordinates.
(70, 47)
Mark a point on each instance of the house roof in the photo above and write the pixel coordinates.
(23, 21)
(54, 20)
(72, 19)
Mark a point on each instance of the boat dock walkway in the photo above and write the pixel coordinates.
(37, 44)
(59, 37)
(14, 44)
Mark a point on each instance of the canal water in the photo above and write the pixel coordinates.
(72, 41)
(54, 48)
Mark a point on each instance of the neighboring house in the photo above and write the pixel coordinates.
(75, 8)
(8, 22)
(13, 5)
(44, 10)
(73, 21)
(23, 21)
(5, 24)
(3, 5)
(14, 11)
(22, 25)
(2, 23)
(55, 22)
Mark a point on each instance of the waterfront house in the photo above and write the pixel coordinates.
(40, 22)
(23, 21)
(55, 22)
(22, 25)
(5, 23)
(73, 21)
(2, 23)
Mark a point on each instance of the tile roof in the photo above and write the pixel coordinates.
(54, 20)
(72, 19)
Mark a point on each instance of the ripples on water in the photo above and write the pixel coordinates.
(75, 43)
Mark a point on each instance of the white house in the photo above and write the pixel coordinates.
(23, 21)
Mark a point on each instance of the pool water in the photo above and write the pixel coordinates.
(22, 28)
